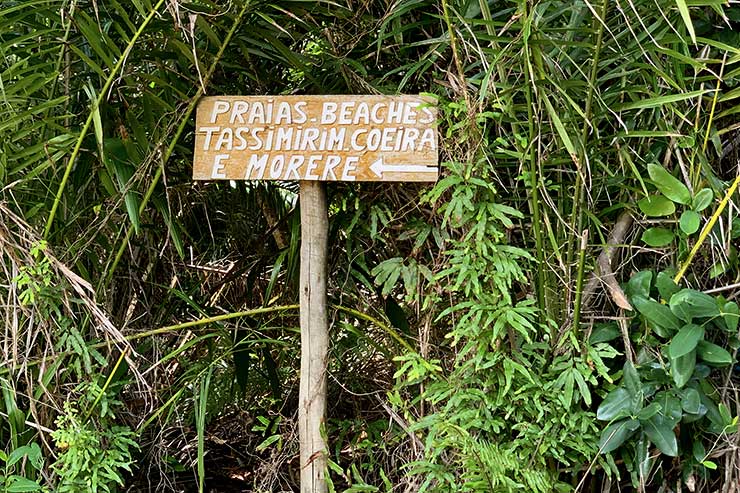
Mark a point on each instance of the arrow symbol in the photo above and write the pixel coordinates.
(379, 167)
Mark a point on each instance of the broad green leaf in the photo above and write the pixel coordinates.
(616, 404)
(639, 284)
(19, 484)
(670, 406)
(682, 368)
(731, 315)
(615, 434)
(690, 400)
(689, 222)
(686, 340)
(632, 384)
(649, 411)
(657, 237)
(660, 431)
(656, 314)
(605, 333)
(688, 304)
(713, 354)
(656, 206)
(669, 185)
(702, 199)
(666, 287)
(684, 10)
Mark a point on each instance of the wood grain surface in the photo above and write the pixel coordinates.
(316, 138)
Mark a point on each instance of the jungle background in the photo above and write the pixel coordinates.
(557, 313)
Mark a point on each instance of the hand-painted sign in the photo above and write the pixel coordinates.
(324, 138)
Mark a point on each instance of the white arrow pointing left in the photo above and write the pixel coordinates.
(379, 167)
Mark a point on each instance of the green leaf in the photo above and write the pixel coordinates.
(713, 354)
(690, 401)
(702, 199)
(656, 314)
(669, 185)
(689, 222)
(688, 304)
(615, 434)
(660, 431)
(632, 384)
(686, 340)
(656, 206)
(684, 10)
(657, 237)
(605, 333)
(616, 404)
(639, 284)
(649, 411)
(731, 315)
(666, 287)
(682, 368)
(19, 484)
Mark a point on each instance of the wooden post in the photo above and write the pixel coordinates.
(314, 336)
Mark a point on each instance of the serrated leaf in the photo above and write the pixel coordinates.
(656, 206)
(686, 340)
(702, 199)
(713, 354)
(689, 222)
(615, 434)
(688, 304)
(668, 184)
(657, 237)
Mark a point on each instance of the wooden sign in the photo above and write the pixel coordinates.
(319, 138)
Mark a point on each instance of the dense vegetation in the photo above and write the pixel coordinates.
(557, 313)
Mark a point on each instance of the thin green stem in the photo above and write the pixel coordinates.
(93, 109)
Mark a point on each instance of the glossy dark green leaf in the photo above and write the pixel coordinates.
(688, 304)
(669, 185)
(616, 404)
(713, 354)
(690, 400)
(670, 406)
(685, 340)
(656, 313)
(689, 222)
(660, 432)
(666, 286)
(615, 434)
(682, 368)
(639, 284)
(657, 237)
(649, 411)
(656, 206)
(631, 382)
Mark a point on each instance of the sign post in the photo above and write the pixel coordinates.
(314, 139)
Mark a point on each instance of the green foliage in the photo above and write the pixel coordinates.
(670, 384)
(27, 458)
(91, 459)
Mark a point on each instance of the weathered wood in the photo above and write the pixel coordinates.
(322, 138)
(314, 337)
